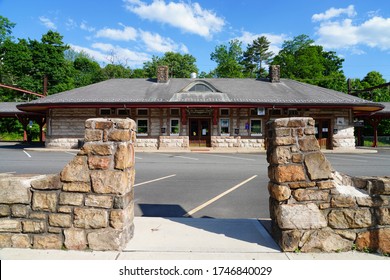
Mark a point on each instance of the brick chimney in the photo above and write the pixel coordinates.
(162, 74)
(274, 73)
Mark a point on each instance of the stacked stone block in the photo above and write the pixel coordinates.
(238, 142)
(89, 205)
(174, 142)
(314, 208)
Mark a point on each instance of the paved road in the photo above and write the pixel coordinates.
(195, 184)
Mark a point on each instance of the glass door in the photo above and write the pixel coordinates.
(200, 133)
(323, 133)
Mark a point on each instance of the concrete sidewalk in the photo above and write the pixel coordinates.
(190, 239)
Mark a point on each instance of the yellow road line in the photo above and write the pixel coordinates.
(200, 207)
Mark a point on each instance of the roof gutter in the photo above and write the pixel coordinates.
(367, 108)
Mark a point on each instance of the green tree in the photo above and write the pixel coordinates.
(373, 79)
(138, 73)
(86, 71)
(116, 71)
(228, 59)
(300, 60)
(255, 56)
(15, 69)
(6, 27)
(203, 74)
(49, 60)
(150, 67)
(179, 65)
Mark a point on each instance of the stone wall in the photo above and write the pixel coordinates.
(316, 209)
(243, 143)
(89, 205)
(174, 142)
(65, 127)
(62, 143)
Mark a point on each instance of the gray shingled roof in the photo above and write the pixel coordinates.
(9, 109)
(384, 111)
(228, 91)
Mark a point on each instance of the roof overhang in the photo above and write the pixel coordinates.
(360, 109)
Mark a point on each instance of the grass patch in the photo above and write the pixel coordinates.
(13, 136)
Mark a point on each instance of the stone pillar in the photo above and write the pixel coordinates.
(97, 187)
(300, 187)
(89, 205)
(316, 209)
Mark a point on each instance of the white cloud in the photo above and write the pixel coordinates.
(70, 24)
(97, 55)
(156, 43)
(337, 34)
(121, 55)
(333, 12)
(191, 18)
(86, 27)
(276, 41)
(105, 53)
(47, 22)
(127, 34)
(375, 33)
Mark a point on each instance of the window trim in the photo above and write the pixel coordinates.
(174, 115)
(123, 109)
(100, 112)
(170, 126)
(272, 112)
(261, 127)
(223, 115)
(228, 126)
(199, 82)
(147, 112)
(147, 126)
(290, 110)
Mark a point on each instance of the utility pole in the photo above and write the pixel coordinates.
(45, 85)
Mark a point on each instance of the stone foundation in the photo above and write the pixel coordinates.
(237, 142)
(149, 143)
(174, 142)
(316, 209)
(62, 143)
(89, 205)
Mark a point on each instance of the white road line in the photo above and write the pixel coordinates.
(187, 157)
(170, 155)
(26, 153)
(351, 159)
(200, 207)
(138, 158)
(239, 158)
(155, 180)
(70, 153)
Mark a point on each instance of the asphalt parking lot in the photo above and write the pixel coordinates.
(194, 184)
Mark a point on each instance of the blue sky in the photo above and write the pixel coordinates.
(131, 31)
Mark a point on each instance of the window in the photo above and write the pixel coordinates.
(257, 111)
(224, 127)
(142, 127)
(175, 112)
(275, 112)
(142, 112)
(105, 111)
(175, 126)
(292, 112)
(123, 112)
(256, 127)
(200, 88)
(224, 112)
